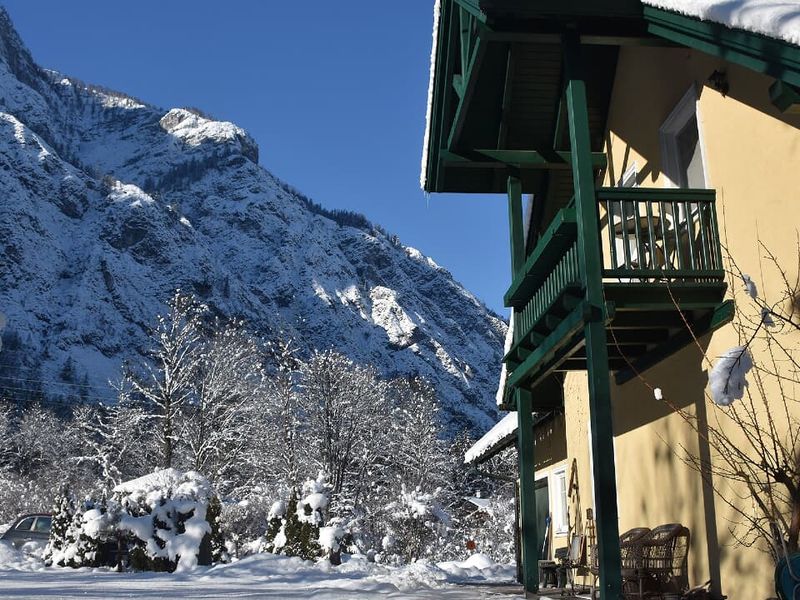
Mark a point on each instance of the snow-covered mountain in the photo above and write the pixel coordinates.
(109, 204)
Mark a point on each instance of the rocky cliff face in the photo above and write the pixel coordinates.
(108, 204)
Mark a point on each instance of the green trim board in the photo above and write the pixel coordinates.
(526, 9)
(785, 97)
(770, 56)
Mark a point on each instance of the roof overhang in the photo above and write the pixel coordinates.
(500, 437)
(497, 78)
(496, 85)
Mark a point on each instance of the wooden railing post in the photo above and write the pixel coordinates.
(600, 415)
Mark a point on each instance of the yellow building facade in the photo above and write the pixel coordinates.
(659, 142)
(750, 154)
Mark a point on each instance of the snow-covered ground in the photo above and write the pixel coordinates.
(262, 576)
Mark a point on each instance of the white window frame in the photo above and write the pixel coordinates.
(559, 501)
(687, 107)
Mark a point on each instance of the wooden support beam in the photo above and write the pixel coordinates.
(633, 319)
(602, 429)
(581, 364)
(515, 225)
(502, 134)
(539, 159)
(709, 322)
(521, 37)
(785, 97)
(465, 21)
(469, 84)
(531, 368)
(527, 479)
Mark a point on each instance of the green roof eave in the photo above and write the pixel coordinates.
(773, 57)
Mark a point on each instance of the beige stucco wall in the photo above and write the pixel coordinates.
(752, 158)
(551, 456)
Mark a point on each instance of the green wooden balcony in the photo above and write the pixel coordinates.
(663, 284)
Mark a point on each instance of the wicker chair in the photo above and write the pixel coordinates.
(664, 558)
(630, 554)
(653, 561)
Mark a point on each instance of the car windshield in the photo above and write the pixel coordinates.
(42, 525)
(25, 524)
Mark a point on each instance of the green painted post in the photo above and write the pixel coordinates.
(605, 488)
(524, 402)
(527, 495)
(515, 227)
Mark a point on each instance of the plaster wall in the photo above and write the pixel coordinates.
(751, 154)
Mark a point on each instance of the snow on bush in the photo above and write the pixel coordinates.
(727, 378)
(165, 520)
(166, 513)
(414, 521)
(294, 527)
(315, 501)
(78, 533)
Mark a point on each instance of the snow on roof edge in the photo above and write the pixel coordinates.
(779, 19)
(505, 427)
(501, 386)
(423, 176)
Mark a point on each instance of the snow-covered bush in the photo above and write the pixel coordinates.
(246, 523)
(294, 527)
(82, 534)
(166, 521)
(414, 522)
(166, 516)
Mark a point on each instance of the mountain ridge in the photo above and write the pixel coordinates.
(112, 203)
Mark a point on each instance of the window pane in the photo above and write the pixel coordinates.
(690, 159)
(42, 524)
(560, 509)
(25, 524)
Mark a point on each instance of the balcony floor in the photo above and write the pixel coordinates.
(646, 322)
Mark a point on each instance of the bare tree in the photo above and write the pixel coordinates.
(218, 421)
(342, 402)
(753, 431)
(276, 451)
(168, 384)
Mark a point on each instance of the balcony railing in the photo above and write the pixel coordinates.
(659, 235)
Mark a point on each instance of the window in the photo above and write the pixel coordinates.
(25, 524)
(43, 524)
(681, 147)
(560, 507)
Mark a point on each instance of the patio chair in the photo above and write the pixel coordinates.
(630, 555)
(664, 558)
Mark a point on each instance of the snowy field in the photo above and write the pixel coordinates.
(262, 576)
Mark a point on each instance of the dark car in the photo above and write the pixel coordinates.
(29, 529)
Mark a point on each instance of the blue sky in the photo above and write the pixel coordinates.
(334, 93)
